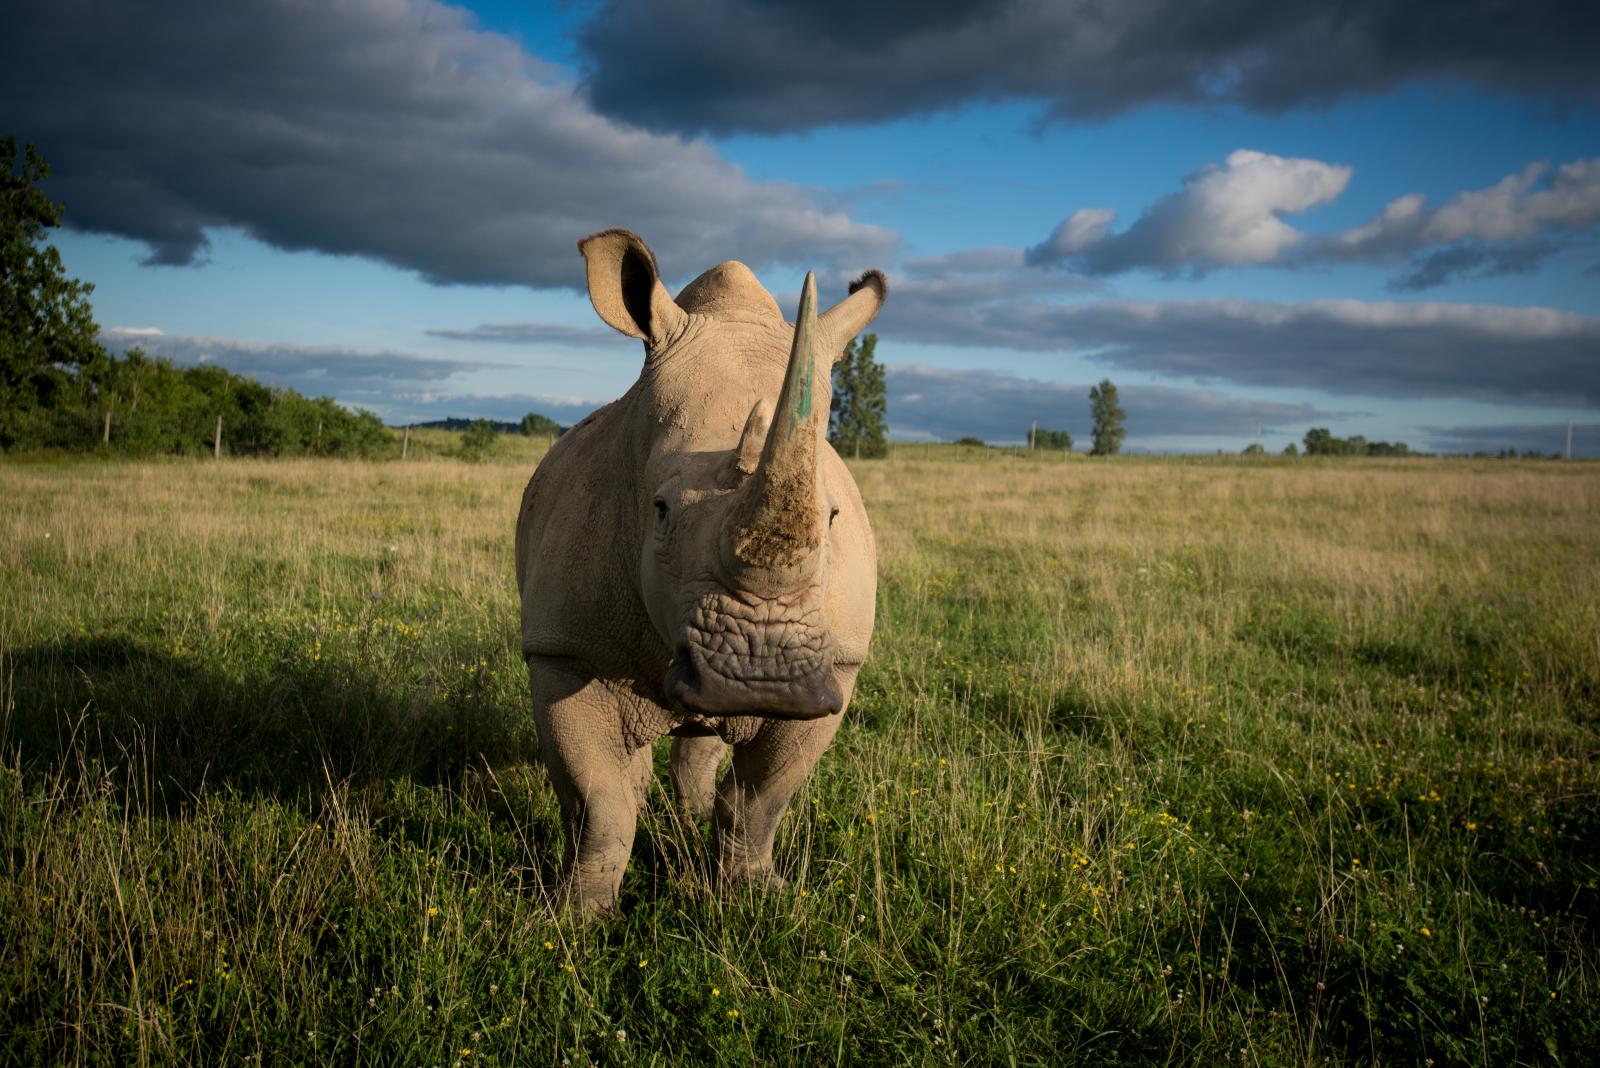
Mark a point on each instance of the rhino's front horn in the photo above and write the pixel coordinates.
(770, 543)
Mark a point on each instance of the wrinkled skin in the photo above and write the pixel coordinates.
(694, 560)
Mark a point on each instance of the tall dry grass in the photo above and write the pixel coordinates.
(1154, 760)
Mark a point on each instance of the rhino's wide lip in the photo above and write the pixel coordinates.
(813, 693)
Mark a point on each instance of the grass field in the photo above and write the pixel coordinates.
(1195, 761)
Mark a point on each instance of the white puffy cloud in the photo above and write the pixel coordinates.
(556, 334)
(1225, 216)
(1084, 227)
(1233, 215)
(400, 387)
(315, 369)
(1506, 228)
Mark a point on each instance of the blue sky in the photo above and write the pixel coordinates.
(1381, 218)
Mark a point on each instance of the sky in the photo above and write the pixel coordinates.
(1380, 217)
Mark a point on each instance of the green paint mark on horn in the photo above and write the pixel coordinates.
(802, 401)
(802, 361)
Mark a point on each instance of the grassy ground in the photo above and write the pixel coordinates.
(1194, 761)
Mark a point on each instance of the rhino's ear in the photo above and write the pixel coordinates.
(851, 315)
(626, 290)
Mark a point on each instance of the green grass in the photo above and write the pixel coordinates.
(1206, 762)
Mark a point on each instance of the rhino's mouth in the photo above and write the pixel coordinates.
(767, 659)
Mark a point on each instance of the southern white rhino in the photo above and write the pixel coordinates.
(694, 561)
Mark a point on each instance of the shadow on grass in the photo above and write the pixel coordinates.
(119, 711)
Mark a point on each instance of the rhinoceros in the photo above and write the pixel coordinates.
(694, 560)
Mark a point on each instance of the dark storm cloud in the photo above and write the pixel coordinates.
(400, 387)
(1472, 261)
(314, 369)
(950, 404)
(782, 65)
(1541, 438)
(391, 129)
(1379, 349)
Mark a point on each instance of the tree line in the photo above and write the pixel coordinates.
(139, 405)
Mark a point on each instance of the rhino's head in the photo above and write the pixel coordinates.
(756, 564)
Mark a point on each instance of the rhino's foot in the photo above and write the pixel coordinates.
(592, 887)
(588, 901)
(763, 878)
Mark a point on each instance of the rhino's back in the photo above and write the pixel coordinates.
(576, 553)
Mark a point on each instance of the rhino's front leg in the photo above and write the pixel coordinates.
(595, 778)
(754, 795)
(694, 773)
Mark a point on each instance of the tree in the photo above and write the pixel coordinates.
(858, 409)
(1108, 418)
(46, 325)
(858, 413)
(1255, 448)
(1319, 442)
(535, 425)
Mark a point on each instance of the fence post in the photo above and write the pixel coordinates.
(105, 435)
(216, 441)
(405, 443)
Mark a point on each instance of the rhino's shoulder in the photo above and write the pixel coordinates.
(576, 564)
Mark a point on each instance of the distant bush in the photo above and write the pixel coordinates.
(535, 425)
(970, 440)
(1255, 448)
(476, 441)
(1320, 442)
(1055, 440)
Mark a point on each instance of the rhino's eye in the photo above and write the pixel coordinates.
(661, 514)
(833, 513)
